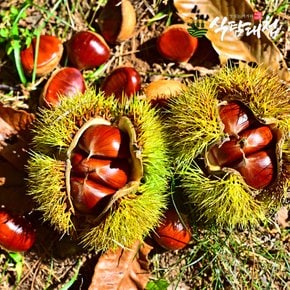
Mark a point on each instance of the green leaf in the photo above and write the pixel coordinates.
(13, 11)
(4, 34)
(161, 284)
(157, 17)
(18, 260)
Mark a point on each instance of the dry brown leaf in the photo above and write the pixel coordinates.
(247, 48)
(282, 217)
(123, 269)
(14, 123)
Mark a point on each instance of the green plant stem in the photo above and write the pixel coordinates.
(38, 33)
(17, 59)
(16, 45)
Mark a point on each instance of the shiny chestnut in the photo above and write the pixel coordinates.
(16, 232)
(87, 49)
(113, 173)
(225, 154)
(49, 54)
(257, 169)
(172, 233)
(117, 21)
(87, 194)
(235, 117)
(160, 91)
(105, 141)
(253, 140)
(65, 82)
(232, 151)
(122, 81)
(176, 44)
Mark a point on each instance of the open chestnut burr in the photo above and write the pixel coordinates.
(228, 134)
(102, 168)
(48, 54)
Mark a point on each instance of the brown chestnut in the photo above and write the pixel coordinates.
(253, 140)
(67, 81)
(176, 44)
(172, 233)
(122, 81)
(158, 92)
(87, 49)
(49, 54)
(117, 21)
(105, 141)
(232, 151)
(113, 173)
(225, 154)
(16, 232)
(257, 169)
(234, 117)
(86, 194)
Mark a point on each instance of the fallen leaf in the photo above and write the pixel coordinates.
(227, 44)
(14, 123)
(282, 217)
(123, 269)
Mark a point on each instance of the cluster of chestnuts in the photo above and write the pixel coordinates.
(85, 50)
(101, 161)
(100, 166)
(88, 50)
(250, 148)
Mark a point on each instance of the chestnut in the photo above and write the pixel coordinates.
(172, 233)
(87, 49)
(225, 154)
(105, 141)
(49, 54)
(117, 21)
(248, 142)
(16, 232)
(234, 117)
(87, 194)
(112, 173)
(253, 140)
(257, 169)
(176, 44)
(67, 81)
(158, 92)
(122, 81)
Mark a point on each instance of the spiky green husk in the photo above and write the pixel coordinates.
(226, 200)
(132, 216)
(193, 121)
(46, 181)
(193, 125)
(259, 89)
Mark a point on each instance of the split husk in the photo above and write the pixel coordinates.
(135, 209)
(193, 125)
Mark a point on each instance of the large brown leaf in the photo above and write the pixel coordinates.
(14, 124)
(248, 48)
(122, 269)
